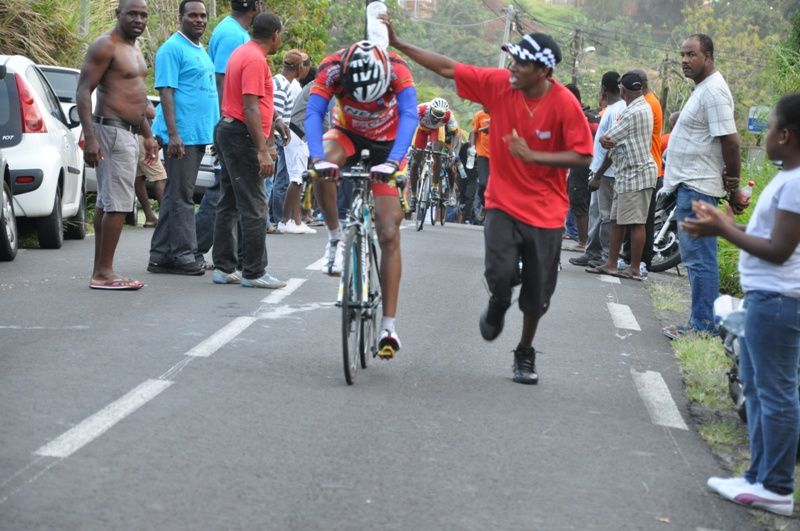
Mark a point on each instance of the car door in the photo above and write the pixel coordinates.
(72, 161)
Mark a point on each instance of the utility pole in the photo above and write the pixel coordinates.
(510, 14)
(577, 48)
(83, 22)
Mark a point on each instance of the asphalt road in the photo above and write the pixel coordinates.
(188, 405)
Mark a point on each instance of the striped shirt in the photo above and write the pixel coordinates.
(285, 93)
(695, 149)
(634, 167)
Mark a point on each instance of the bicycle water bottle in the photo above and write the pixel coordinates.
(377, 32)
(471, 157)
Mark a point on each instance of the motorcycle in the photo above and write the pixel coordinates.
(666, 247)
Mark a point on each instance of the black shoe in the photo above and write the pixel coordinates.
(191, 269)
(581, 260)
(493, 318)
(596, 263)
(525, 366)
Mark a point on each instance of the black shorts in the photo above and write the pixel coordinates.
(353, 144)
(507, 240)
(578, 188)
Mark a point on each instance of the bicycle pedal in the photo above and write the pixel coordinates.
(386, 352)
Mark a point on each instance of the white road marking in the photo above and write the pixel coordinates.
(94, 426)
(316, 265)
(623, 316)
(221, 337)
(657, 399)
(284, 311)
(609, 279)
(279, 294)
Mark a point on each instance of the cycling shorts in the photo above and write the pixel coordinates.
(353, 144)
(423, 136)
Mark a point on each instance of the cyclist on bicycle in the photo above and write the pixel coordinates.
(435, 121)
(376, 104)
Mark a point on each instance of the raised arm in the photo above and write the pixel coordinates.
(441, 64)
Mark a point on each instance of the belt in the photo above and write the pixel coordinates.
(229, 120)
(299, 132)
(113, 122)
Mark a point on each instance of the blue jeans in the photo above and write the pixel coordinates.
(768, 361)
(280, 183)
(699, 256)
(570, 225)
(205, 216)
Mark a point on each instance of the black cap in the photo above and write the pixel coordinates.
(631, 81)
(535, 48)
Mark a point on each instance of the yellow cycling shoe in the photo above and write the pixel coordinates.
(388, 345)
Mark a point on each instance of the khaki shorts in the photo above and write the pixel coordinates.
(116, 171)
(631, 208)
(152, 172)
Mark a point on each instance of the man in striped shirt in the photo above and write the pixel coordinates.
(287, 87)
(629, 142)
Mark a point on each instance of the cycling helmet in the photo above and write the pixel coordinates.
(439, 107)
(366, 72)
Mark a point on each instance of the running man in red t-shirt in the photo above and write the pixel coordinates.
(376, 109)
(538, 131)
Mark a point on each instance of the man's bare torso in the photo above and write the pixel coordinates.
(122, 92)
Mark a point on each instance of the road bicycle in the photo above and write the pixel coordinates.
(442, 199)
(424, 192)
(359, 295)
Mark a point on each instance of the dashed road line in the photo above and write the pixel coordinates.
(623, 316)
(316, 265)
(279, 294)
(657, 399)
(92, 427)
(609, 279)
(221, 337)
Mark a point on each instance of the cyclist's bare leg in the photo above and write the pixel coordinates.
(436, 147)
(326, 190)
(388, 216)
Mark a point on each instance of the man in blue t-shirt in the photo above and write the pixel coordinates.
(229, 34)
(184, 124)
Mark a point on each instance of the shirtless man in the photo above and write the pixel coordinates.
(116, 67)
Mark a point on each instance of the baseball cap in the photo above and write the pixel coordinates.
(631, 81)
(535, 48)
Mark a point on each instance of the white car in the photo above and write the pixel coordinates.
(65, 83)
(8, 221)
(44, 161)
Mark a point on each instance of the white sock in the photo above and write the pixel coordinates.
(336, 234)
(387, 323)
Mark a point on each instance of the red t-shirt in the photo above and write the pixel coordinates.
(531, 193)
(376, 120)
(248, 73)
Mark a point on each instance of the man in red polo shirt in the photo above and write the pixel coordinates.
(243, 139)
(538, 131)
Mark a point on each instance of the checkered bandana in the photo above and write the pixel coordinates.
(535, 47)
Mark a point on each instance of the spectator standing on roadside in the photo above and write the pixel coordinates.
(602, 177)
(479, 140)
(704, 163)
(287, 88)
(229, 34)
(242, 139)
(635, 172)
(578, 181)
(526, 198)
(149, 172)
(185, 123)
(115, 65)
(769, 268)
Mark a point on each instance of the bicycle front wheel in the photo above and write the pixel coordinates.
(423, 197)
(369, 321)
(351, 304)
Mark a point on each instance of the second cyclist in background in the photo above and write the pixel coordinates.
(435, 121)
(376, 109)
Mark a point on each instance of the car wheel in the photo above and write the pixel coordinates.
(76, 226)
(8, 226)
(51, 229)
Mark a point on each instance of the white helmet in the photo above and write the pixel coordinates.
(366, 71)
(439, 107)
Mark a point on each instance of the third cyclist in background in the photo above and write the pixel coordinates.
(435, 118)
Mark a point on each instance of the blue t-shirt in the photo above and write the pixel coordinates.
(227, 36)
(186, 68)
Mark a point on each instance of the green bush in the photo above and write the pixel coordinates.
(727, 253)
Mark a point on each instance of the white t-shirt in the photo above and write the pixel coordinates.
(782, 193)
(695, 150)
(607, 121)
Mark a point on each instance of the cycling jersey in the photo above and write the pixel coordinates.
(428, 121)
(392, 117)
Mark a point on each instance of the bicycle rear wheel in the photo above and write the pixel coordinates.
(423, 197)
(351, 304)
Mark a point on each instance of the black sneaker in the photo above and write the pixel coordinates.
(581, 260)
(493, 318)
(191, 269)
(525, 366)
